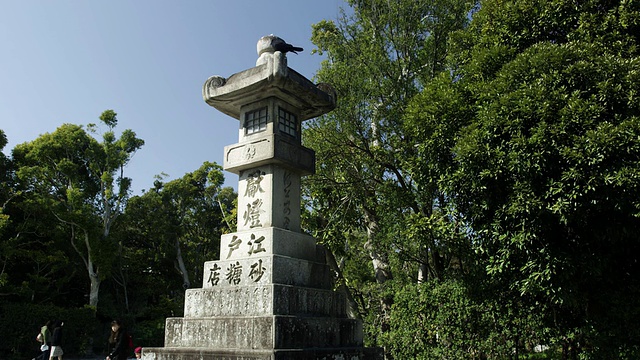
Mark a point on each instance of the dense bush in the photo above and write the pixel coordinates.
(450, 320)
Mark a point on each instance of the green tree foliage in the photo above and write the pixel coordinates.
(38, 264)
(183, 220)
(64, 211)
(444, 320)
(506, 177)
(78, 183)
(168, 233)
(381, 218)
(5, 171)
(545, 168)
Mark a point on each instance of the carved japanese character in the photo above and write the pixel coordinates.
(214, 275)
(252, 214)
(257, 271)
(234, 273)
(234, 245)
(253, 183)
(256, 244)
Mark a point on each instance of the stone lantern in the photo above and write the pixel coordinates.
(270, 295)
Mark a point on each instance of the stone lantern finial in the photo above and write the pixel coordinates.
(270, 44)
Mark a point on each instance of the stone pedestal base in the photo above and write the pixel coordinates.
(263, 332)
(357, 353)
(293, 313)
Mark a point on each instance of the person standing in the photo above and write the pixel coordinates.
(45, 348)
(56, 341)
(118, 342)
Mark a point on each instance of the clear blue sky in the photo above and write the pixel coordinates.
(66, 61)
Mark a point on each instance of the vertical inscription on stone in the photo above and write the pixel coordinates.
(252, 213)
(286, 208)
(244, 262)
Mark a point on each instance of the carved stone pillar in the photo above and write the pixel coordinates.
(270, 295)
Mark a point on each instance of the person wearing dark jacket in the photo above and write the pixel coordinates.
(56, 341)
(118, 342)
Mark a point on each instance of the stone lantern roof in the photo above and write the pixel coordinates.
(271, 77)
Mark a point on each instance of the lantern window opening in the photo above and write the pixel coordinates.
(287, 122)
(255, 121)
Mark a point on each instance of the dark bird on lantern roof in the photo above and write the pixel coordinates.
(285, 48)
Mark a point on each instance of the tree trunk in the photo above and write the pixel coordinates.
(94, 278)
(95, 289)
(92, 271)
(352, 305)
(380, 268)
(382, 273)
(438, 265)
(423, 273)
(186, 283)
(379, 262)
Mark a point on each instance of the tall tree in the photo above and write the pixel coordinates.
(31, 270)
(81, 183)
(183, 220)
(365, 197)
(546, 172)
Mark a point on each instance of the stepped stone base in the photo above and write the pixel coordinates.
(264, 299)
(263, 332)
(356, 353)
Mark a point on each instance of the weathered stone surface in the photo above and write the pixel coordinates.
(268, 241)
(264, 300)
(235, 301)
(356, 353)
(269, 149)
(271, 78)
(263, 332)
(220, 332)
(269, 196)
(259, 270)
(292, 332)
